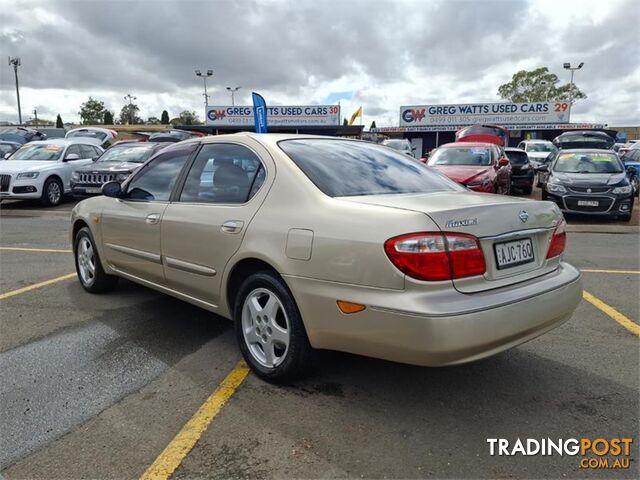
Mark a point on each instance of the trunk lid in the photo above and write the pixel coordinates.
(494, 219)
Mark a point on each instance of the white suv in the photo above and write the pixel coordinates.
(43, 169)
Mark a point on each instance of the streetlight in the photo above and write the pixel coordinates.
(547, 87)
(567, 66)
(129, 97)
(204, 76)
(15, 63)
(233, 91)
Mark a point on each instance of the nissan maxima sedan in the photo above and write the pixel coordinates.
(324, 243)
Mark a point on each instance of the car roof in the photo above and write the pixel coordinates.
(513, 149)
(63, 142)
(536, 140)
(588, 150)
(99, 129)
(467, 144)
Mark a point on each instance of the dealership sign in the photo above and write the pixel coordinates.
(301, 115)
(484, 113)
(455, 128)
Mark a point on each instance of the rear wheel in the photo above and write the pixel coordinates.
(52, 192)
(269, 329)
(88, 267)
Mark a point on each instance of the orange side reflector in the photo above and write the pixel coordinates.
(348, 307)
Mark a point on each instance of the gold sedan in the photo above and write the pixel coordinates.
(326, 243)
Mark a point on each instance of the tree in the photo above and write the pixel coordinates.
(345, 122)
(539, 85)
(373, 125)
(108, 118)
(164, 118)
(186, 117)
(153, 121)
(129, 114)
(59, 123)
(91, 112)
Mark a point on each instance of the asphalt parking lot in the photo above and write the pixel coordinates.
(102, 386)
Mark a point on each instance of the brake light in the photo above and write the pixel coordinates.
(558, 240)
(436, 256)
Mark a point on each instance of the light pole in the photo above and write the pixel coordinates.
(15, 63)
(204, 76)
(233, 91)
(568, 66)
(129, 97)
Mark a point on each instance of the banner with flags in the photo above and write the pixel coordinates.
(356, 114)
(259, 113)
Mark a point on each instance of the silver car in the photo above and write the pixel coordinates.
(324, 243)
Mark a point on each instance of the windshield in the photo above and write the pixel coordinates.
(87, 133)
(517, 158)
(588, 163)
(5, 148)
(541, 147)
(461, 156)
(397, 144)
(127, 153)
(33, 151)
(346, 168)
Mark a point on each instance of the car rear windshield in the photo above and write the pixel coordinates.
(397, 144)
(588, 163)
(541, 147)
(517, 158)
(88, 134)
(127, 153)
(480, 156)
(341, 168)
(37, 152)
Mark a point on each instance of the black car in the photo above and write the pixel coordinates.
(522, 171)
(115, 164)
(21, 135)
(589, 181)
(7, 148)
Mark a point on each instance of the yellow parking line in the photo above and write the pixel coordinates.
(13, 293)
(627, 272)
(171, 457)
(613, 313)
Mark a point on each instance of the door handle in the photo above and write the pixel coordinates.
(232, 226)
(153, 218)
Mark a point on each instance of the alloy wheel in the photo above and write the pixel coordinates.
(86, 261)
(265, 327)
(54, 193)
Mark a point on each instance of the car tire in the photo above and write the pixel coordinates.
(52, 192)
(544, 194)
(270, 331)
(635, 184)
(527, 190)
(88, 266)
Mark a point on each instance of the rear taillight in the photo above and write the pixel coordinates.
(436, 256)
(558, 240)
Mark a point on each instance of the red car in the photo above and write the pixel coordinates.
(485, 134)
(482, 167)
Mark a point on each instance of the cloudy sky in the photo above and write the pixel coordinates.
(374, 53)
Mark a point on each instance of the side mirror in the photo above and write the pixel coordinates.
(7, 155)
(112, 189)
(543, 168)
(71, 157)
(504, 162)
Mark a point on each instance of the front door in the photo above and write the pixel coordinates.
(72, 163)
(205, 226)
(131, 224)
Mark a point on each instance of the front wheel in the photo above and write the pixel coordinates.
(88, 267)
(635, 184)
(269, 329)
(52, 192)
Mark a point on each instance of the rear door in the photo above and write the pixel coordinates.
(205, 225)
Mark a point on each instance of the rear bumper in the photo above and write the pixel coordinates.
(443, 327)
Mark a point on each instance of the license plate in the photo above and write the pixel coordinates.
(516, 252)
(587, 203)
(93, 190)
